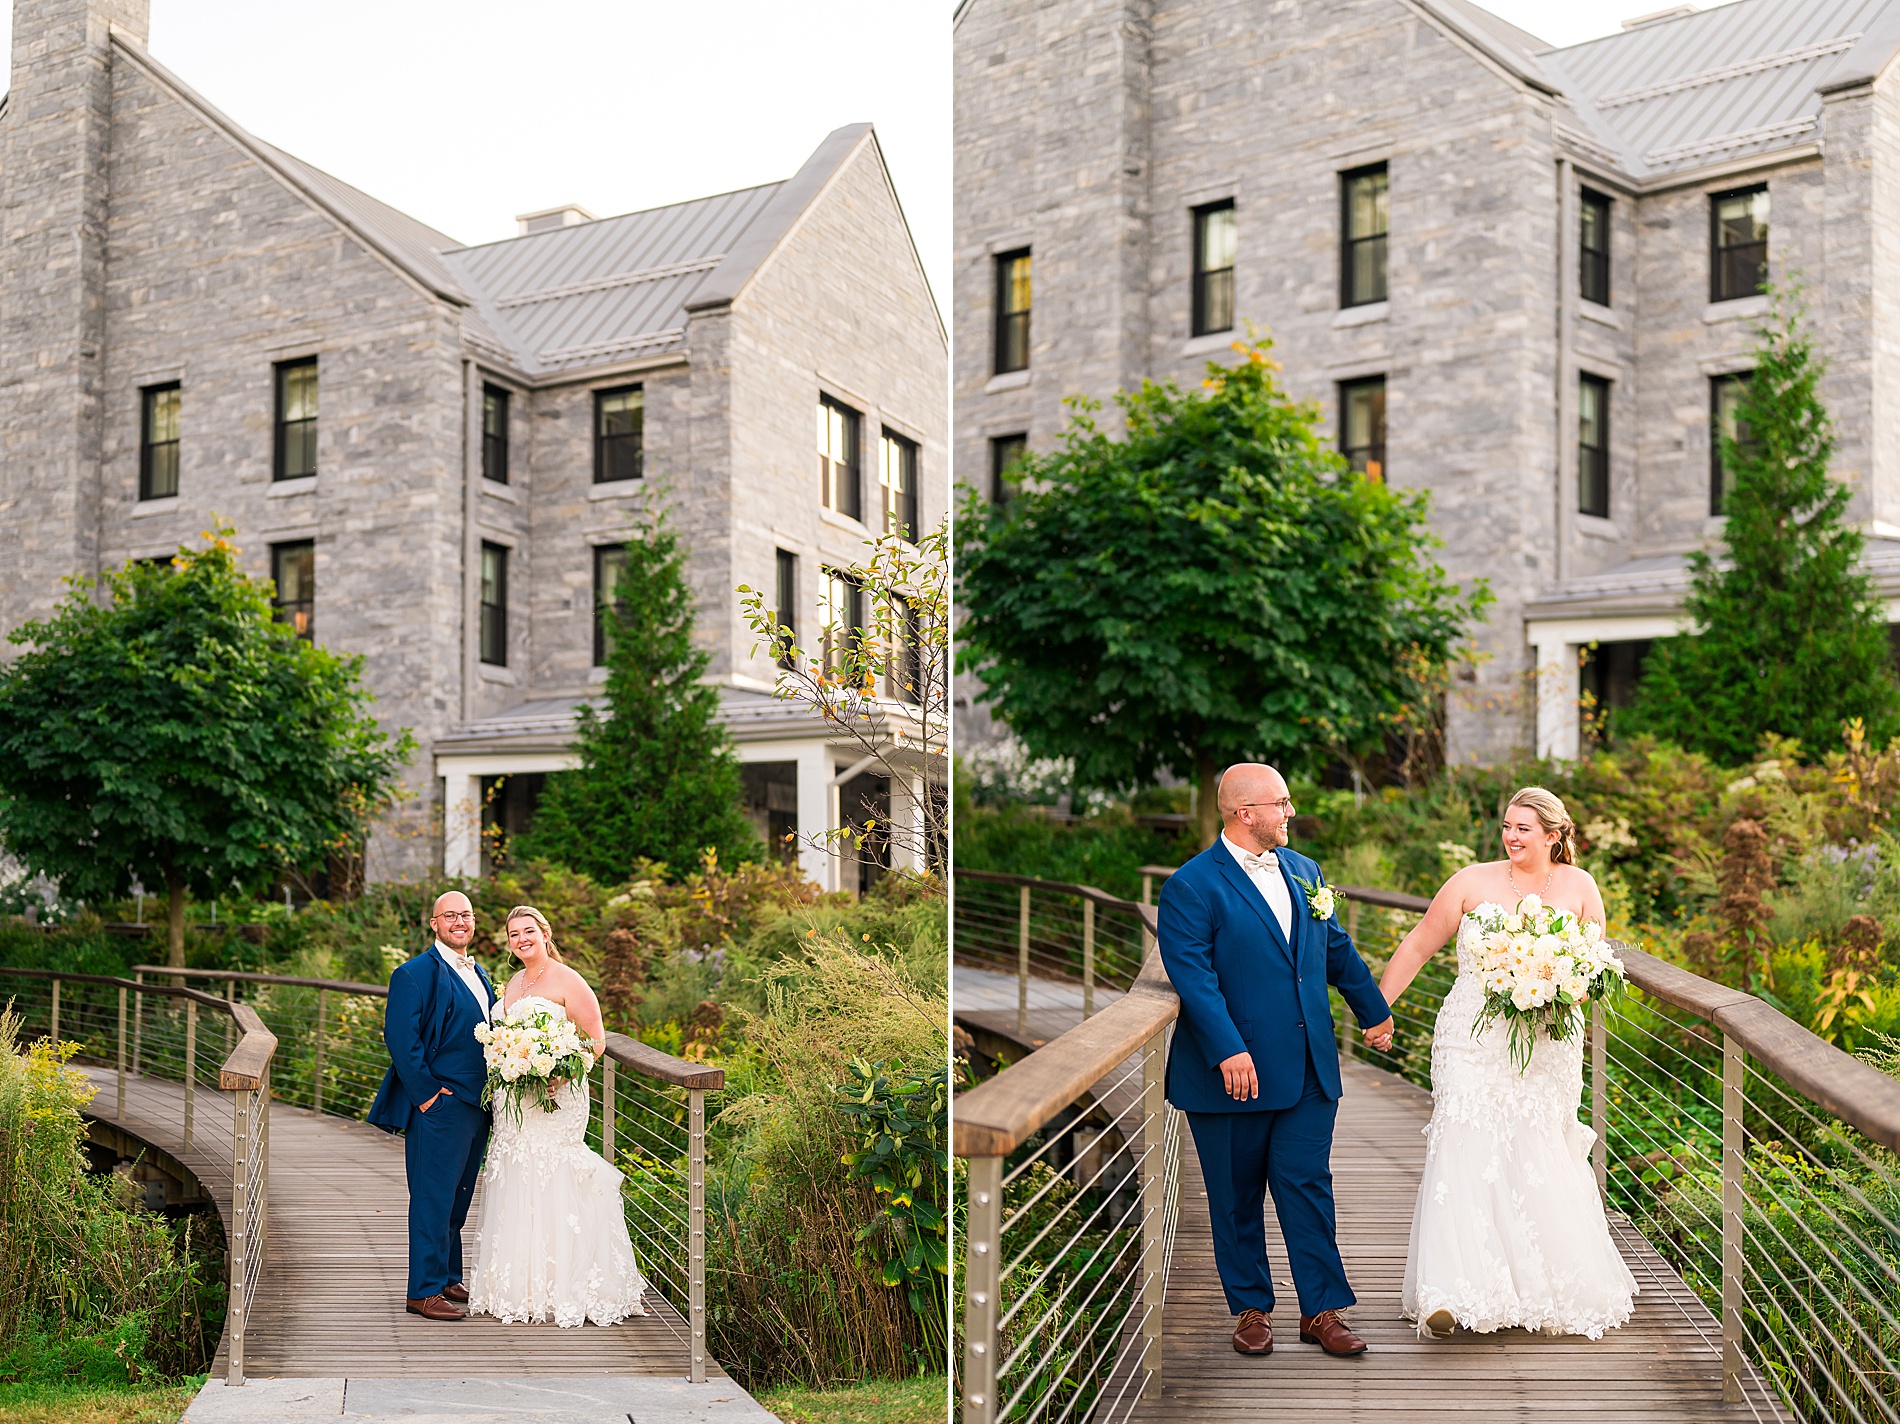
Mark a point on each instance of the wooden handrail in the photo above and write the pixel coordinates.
(998, 1115)
(245, 976)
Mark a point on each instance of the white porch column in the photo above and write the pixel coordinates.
(1559, 686)
(815, 802)
(461, 824)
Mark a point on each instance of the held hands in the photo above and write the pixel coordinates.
(1239, 1078)
(1379, 1036)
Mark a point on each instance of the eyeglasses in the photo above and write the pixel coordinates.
(1285, 803)
(453, 915)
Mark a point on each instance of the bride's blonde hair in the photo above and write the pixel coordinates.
(1548, 807)
(528, 912)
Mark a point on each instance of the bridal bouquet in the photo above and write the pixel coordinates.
(1538, 967)
(530, 1052)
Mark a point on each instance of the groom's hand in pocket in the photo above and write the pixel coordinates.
(1238, 1075)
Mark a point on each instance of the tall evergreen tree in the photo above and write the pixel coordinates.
(1789, 637)
(658, 778)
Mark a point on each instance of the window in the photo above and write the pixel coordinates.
(1725, 400)
(897, 474)
(1214, 240)
(904, 673)
(771, 801)
(1738, 240)
(1363, 222)
(610, 562)
(843, 615)
(838, 458)
(1362, 425)
(1593, 446)
(495, 434)
(158, 442)
(619, 434)
(1012, 312)
(1006, 453)
(296, 455)
(785, 592)
(293, 569)
(1593, 244)
(494, 627)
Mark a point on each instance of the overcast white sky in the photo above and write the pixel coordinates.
(465, 112)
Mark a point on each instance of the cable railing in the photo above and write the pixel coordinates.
(1067, 947)
(203, 1043)
(1758, 1159)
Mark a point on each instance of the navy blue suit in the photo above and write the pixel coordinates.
(429, 1028)
(1245, 989)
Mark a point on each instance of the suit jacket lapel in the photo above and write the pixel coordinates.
(1250, 892)
(1301, 913)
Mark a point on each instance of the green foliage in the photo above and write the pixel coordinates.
(904, 1153)
(1215, 586)
(1106, 850)
(921, 1399)
(1790, 638)
(658, 779)
(92, 1289)
(161, 725)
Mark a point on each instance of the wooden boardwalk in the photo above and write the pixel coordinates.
(1664, 1365)
(331, 1301)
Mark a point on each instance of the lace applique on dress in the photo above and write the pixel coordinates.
(552, 1240)
(1511, 1231)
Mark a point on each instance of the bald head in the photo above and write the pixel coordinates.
(1254, 804)
(453, 920)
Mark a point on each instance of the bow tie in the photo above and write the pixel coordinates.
(1268, 862)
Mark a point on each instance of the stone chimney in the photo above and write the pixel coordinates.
(53, 148)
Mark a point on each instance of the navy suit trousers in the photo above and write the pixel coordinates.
(1289, 1152)
(442, 1152)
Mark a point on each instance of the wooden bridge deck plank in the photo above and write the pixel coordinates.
(1664, 1365)
(331, 1302)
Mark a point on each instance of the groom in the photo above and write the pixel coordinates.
(433, 1094)
(1251, 963)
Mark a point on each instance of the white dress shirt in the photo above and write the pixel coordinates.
(1268, 880)
(464, 968)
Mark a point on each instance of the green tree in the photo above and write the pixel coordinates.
(161, 725)
(658, 778)
(1216, 586)
(1789, 636)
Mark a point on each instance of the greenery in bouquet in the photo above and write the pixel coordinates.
(1539, 966)
(530, 1052)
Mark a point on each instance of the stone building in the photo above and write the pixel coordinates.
(1519, 277)
(436, 448)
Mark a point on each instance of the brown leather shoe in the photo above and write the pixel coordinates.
(1254, 1334)
(1330, 1333)
(456, 1292)
(437, 1307)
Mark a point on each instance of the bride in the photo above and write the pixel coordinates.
(1508, 1229)
(552, 1241)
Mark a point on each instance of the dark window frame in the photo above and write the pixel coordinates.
(1374, 452)
(603, 614)
(499, 400)
(785, 599)
(1718, 472)
(1210, 291)
(1593, 263)
(1011, 340)
(849, 628)
(1000, 484)
(1349, 294)
(903, 520)
(829, 485)
(288, 610)
(1726, 262)
(608, 448)
(305, 432)
(150, 450)
(492, 631)
(1593, 461)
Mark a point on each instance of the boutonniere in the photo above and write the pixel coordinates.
(1320, 899)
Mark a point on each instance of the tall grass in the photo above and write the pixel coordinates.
(91, 1287)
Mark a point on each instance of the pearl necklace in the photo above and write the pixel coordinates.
(1508, 875)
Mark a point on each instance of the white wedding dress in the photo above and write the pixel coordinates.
(1509, 1229)
(552, 1240)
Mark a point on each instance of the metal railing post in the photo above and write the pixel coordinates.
(1088, 958)
(121, 1112)
(242, 1238)
(230, 997)
(138, 1019)
(52, 1034)
(607, 1107)
(1600, 1095)
(1147, 898)
(316, 1074)
(1732, 1168)
(1154, 1178)
(191, 1061)
(982, 1253)
(696, 1228)
(1022, 963)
